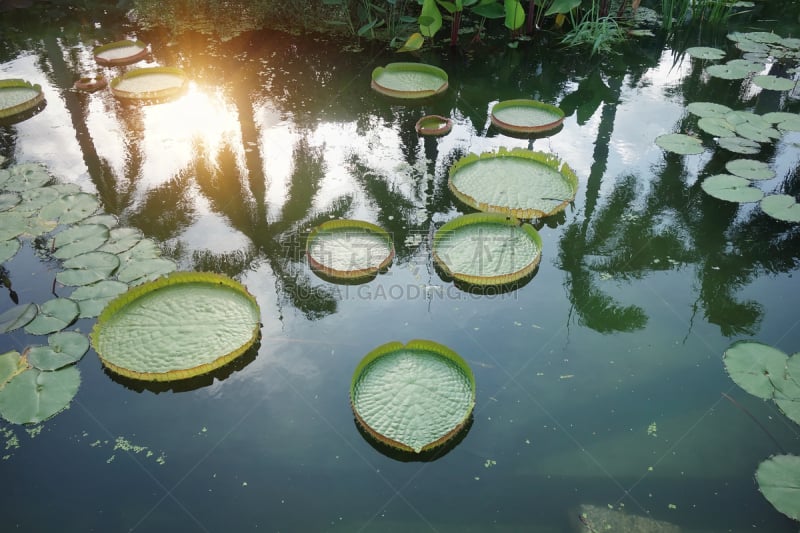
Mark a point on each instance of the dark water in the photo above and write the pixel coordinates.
(599, 381)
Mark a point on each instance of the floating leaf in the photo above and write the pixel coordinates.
(150, 84)
(11, 364)
(752, 47)
(708, 109)
(26, 176)
(731, 188)
(176, 327)
(88, 268)
(11, 225)
(80, 239)
(487, 249)
(71, 208)
(774, 83)
(139, 271)
(109, 221)
(755, 367)
(414, 42)
(518, 182)
(779, 481)
(790, 124)
(409, 80)
(705, 52)
(526, 116)
(750, 169)
(33, 200)
(17, 316)
(8, 249)
(413, 397)
(349, 249)
(120, 53)
(747, 64)
(728, 72)
(739, 145)
(62, 349)
(8, 200)
(54, 315)
(781, 207)
(92, 299)
(144, 249)
(679, 143)
(754, 133)
(34, 396)
(717, 126)
(120, 240)
(763, 37)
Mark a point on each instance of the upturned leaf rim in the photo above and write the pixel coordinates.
(557, 112)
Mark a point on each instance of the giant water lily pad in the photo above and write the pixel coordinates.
(518, 182)
(487, 249)
(120, 53)
(526, 116)
(33, 396)
(731, 188)
(63, 348)
(176, 327)
(349, 249)
(679, 143)
(150, 84)
(781, 207)
(409, 80)
(413, 397)
(19, 99)
(779, 481)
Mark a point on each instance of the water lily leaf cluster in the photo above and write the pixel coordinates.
(769, 373)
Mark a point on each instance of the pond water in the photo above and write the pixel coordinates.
(600, 379)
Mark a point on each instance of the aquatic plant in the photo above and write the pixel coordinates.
(526, 116)
(349, 249)
(19, 99)
(120, 53)
(409, 80)
(412, 397)
(150, 84)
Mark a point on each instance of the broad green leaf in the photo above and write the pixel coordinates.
(62, 349)
(109, 221)
(413, 397)
(774, 83)
(120, 240)
(746, 64)
(763, 37)
(731, 188)
(176, 327)
(409, 80)
(779, 116)
(33, 200)
(739, 145)
(716, 126)
(755, 133)
(755, 367)
(79, 239)
(779, 481)
(791, 408)
(450, 7)
(11, 364)
(136, 272)
(11, 225)
(54, 315)
(490, 10)
(34, 396)
(679, 143)
(9, 200)
(26, 176)
(781, 207)
(414, 42)
(705, 52)
(708, 109)
(349, 249)
(144, 249)
(789, 124)
(88, 268)
(71, 208)
(8, 249)
(750, 169)
(561, 7)
(17, 317)
(752, 47)
(728, 72)
(432, 18)
(515, 15)
(92, 299)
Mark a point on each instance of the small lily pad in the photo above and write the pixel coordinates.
(139, 271)
(8, 200)
(756, 367)
(26, 176)
(754, 133)
(705, 52)
(79, 239)
(71, 208)
(109, 221)
(87, 268)
(739, 145)
(774, 83)
(120, 240)
(92, 299)
(781, 207)
(11, 364)
(750, 169)
(680, 143)
(8, 249)
(728, 72)
(33, 200)
(731, 188)
(717, 126)
(17, 317)
(748, 64)
(708, 109)
(62, 349)
(779, 481)
(11, 225)
(789, 124)
(34, 396)
(54, 315)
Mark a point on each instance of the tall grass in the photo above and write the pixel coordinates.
(686, 12)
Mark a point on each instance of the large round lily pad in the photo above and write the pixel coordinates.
(758, 368)
(33, 396)
(19, 99)
(120, 53)
(731, 188)
(176, 327)
(63, 348)
(487, 249)
(750, 169)
(705, 52)
(518, 182)
(781, 207)
(349, 249)
(413, 397)
(409, 80)
(150, 84)
(680, 143)
(779, 481)
(526, 116)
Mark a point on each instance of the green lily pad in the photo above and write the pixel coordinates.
(92, 299)
(756, 367)
(679, 143)
(781, 207)
(19, 98)
(750, 169)
(8, 249)
(176, 327)
(87, 268)
(11, 225)
(26, 176)
(763, 37)
(109, 221)
(409, 80)
(754, 133)
(705, 52)
(62, 349)
(517, 182)
(792, 43)
(739, 145)
(789, 124)
(8, 200)
(779, 481)
(120, 53)
(779, 116)
(34, 396)
(526, 116)
(708, 109)
(150, 84)
(728, 72)
(413, 397)
(774, 83)
(33, 200)
(11, 364)
(144, 249)
(17, 317)
(791, 408)
(731, 188)
(487, 249)
(136, 272)
(748, 64)
(54, 315)
(71, 208)
(349, 249)
(120, 240)
(717, 126)
(79, 239)
(35, 226)
(752, 47)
